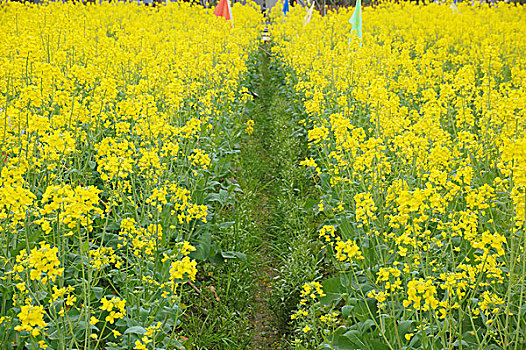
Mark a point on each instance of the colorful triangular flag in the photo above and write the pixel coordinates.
(309, 13)
(454, 7)
(223, 10)
(356, 21)
(286, 6)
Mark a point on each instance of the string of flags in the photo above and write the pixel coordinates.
(224, 10)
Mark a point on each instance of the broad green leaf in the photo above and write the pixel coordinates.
(135, 330)
(377, 345)
(366, 325)
(203, 247)
(234, 255)
(341, 342)
(404, 326)
(333, 290)
(347, 310)
(356, 338)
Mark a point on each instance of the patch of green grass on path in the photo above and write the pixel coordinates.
(257, 296)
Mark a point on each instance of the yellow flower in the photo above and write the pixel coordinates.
(31, 318)
(139, 345)
(200, 158)
(178, 269)
(42, 263)
(347, 251)
(250, 127)
(365, 207)
(114, 303)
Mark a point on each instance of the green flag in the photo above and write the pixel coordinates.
(356, 21)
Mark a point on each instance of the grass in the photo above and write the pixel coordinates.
(271, 227)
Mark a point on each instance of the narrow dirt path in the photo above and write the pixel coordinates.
(278, 190)
(246, 303)
(258, 175)
(267, 222)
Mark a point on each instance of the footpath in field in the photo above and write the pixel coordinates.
(269, 225)
(269, 163)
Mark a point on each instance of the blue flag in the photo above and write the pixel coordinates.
(286, 6)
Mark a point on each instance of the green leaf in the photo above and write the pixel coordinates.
(345, 281)
(465, 343)
(378, 345)
(113, 227)
(356, 338)
(85, 247)
(309, 205)
(216, 258)
(364, 308)
(98, 292)
(81, 328)
(404, 326)
(347, 310)
(222, 197)
(341, 342)
(234, 255)
(227, 224)
(366, 325)
(347, 228)
(203, 247)
(333, 290)
(135, 330)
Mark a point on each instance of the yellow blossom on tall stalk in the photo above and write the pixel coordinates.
(42, 263)
(71, 205)
(32, 319)
(116, 307)
(183, 268)
(250, 126)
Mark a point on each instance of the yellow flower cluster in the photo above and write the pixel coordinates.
(347, 251)
(111, 125)
(250, 127)
(114, 303)
(102, 257)
(142, 242)
(32, 319)
(71, 206)
(311, 291)
(15, 197)
(423, 129)
(178, 269)
(42, 263)
(115, 158)
(365, 208)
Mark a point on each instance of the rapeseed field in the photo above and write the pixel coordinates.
(129, 218)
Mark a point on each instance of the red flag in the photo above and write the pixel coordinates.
(223, 10)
